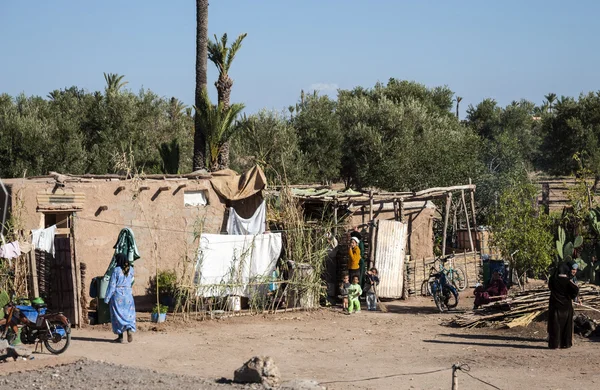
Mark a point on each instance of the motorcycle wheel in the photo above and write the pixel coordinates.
(59, 339)
(450, 298)
(437, 297)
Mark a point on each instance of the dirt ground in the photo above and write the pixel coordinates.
(367, 350)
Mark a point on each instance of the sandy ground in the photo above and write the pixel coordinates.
(365, 350)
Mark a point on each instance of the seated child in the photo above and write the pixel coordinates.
(354, 292)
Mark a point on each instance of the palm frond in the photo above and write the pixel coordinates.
(218, 124)
(235, 46)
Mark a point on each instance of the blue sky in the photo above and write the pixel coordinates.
(505, 50)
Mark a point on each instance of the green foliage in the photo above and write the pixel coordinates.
(269, 140)
(519, 230)
(320, 138)
(159, 309)
(169, 153)
(219, 124)
(75, 131)
(221, 55)
(167, 283)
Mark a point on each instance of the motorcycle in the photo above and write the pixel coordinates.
(53, 329)
(445, 295)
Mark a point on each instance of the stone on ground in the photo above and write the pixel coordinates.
(258, 370)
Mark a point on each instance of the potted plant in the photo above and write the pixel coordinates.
(159, 313)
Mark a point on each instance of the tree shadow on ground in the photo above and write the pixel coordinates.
(495, 337)
(402, 309)
(501, 345)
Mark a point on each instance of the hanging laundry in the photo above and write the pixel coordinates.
(10, 251)
(25, 247)
(227, 264)
(126, 245)
(253, 225)
(43, 239)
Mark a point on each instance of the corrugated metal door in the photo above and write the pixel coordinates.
(390, 247)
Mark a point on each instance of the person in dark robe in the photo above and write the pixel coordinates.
(560, 309)
(495, 290)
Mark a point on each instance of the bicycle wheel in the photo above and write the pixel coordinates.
(425, 289)
(450, 298)
(458, 279)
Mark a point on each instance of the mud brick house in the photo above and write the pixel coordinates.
(166, 213)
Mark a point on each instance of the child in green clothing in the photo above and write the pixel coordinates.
(354, 292)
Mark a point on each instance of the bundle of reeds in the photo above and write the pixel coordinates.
(522, 308)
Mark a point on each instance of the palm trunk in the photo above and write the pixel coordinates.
(199, 160)
(224, 85)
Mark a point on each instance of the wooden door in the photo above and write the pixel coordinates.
(55, 274)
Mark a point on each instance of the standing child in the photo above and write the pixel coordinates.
(344, 290)
(354, 292)
(370, 284)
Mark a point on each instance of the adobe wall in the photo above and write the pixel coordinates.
(153, 215)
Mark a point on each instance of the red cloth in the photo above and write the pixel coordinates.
(485, 295)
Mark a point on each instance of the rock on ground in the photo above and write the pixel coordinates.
(258, 370)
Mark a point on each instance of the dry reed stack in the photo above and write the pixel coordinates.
(521, 308)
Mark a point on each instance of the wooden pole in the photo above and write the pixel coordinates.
(477, 241)
(454, 377)
(35, 288)
(446, 215)
(370, 206)
(372, 235)
(546, 197)
(335, 216)
(462, 194)
(401, 211)
(362, 211)
(396, 218)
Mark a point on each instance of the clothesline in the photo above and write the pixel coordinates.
(192, 231)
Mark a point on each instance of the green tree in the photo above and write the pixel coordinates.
(114, 82)
(269, 140)
(219, 124)
(199, 160)
(521, 232)
(320, 137)
(222, 56)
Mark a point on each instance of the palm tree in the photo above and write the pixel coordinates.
(169, 154)
(114, 82)
(219, 124)
(222, 56)
(550, 99)
(201, 68)
(458, 100)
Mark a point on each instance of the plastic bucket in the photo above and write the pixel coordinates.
(158, 317)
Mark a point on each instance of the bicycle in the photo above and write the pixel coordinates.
(444, 294)
(456, 276)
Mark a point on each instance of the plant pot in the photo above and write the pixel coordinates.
(158, 317)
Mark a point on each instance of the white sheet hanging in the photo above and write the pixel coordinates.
(237, 261)
(253, 225)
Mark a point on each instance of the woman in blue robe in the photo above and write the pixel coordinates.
(120, 298)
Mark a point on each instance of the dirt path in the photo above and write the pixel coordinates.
(330, 347)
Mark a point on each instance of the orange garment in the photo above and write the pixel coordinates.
(354, 261)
